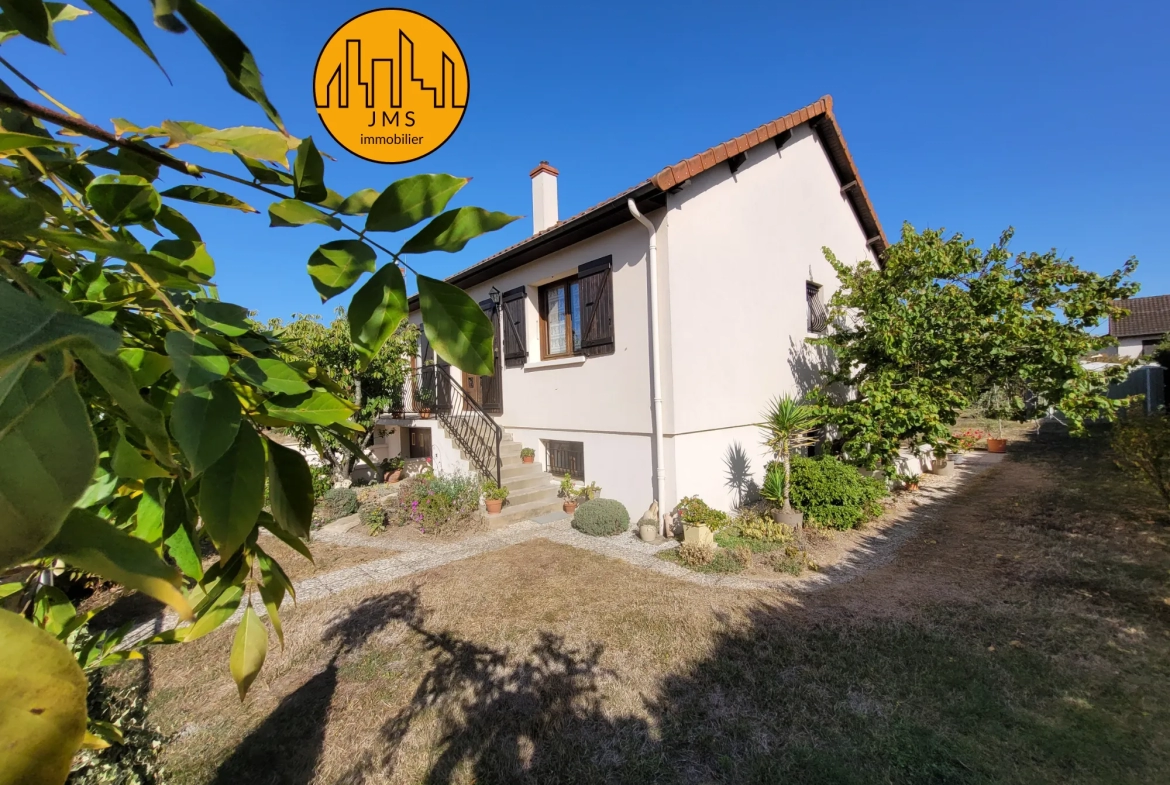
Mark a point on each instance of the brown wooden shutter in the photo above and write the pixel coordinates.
(515, 343)
(596, 282)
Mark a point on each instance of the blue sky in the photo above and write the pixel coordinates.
(1051, 117)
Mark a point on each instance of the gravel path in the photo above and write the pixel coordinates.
(413, 557)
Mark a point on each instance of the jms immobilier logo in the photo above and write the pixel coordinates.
(391, 85)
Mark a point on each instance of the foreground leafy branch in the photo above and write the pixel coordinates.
(136, 406)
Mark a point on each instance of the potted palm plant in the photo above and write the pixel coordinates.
(494, 496)
(569, 493)
(528, 455)
(787, 427)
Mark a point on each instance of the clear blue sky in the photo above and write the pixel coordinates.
(1051, 117)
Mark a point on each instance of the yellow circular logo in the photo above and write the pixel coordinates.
(391, 85)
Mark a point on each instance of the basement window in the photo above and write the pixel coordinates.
(566, 458)
(818, 315)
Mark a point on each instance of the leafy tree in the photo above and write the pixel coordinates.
(1141, 446)
(941, 322)
(376, 388)
(134, 402)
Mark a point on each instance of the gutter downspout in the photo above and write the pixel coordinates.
(655, 364)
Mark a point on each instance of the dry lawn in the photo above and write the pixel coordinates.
(1023, 636)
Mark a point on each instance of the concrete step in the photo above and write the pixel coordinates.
(522, 512)
(522, 472)
(526, 495)
(541, 480)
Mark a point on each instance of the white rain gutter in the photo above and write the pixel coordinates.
(655, 364)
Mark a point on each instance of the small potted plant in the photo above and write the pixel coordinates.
(391, 469)
(569, 493)
(997, 404)
(426, 399)
(909, 481)
(494, 496)
(699, 521)
(528, 455)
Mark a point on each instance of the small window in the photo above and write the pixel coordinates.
(818, 316)
(566, 458)
(560, 316)
(1150, 346)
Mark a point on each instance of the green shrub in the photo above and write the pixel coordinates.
(436, 502)
(338, 503)
(374, 517)
(693, 511)
(601, 517)
(322, 480)
(834, 494)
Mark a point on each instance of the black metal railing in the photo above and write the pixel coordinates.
(431, 391)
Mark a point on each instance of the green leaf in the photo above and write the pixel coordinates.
(273, 584)
(13, 141)
(376, 311)
(225, 318)
(195, 359)
(150, 517)
(42, 716)
(164, 16)
(123, 198)
(186, 254)
(31, 19)
(262, 143)
(221, 610)
(177, 224)
(179, 533)
(456, 327)
(8, 589)
(113, 375)
(290, 489)
(146, 367)
(290, 212)
(312, 408)
(452, 230)
(205, 422)
(28, 326)
(335, 266)
(19, 217)
(359, 202)
(408, 201)
(124, 25)
(47, 454)
(231, 492)
(202, 195)
(271, 375)
(289, 539)
(262, 172)
(91, 544)
(309, 173)
(248, 650)
(129, 463)
(236, 60)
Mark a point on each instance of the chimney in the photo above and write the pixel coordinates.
(544, 197)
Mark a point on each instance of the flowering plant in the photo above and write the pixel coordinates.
(969, 438)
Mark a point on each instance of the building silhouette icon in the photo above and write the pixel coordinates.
(384, 82)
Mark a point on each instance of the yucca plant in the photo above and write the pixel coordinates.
(787, 427)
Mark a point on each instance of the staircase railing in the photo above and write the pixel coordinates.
(432, 390)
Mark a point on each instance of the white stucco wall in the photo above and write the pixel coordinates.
(742, 247)
(1129, 347)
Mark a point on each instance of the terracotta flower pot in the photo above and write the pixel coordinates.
(911, 486)
(494, 505)
(528, 458)
(393, 476)
(424, 414)
(996, 445)
(569, 507)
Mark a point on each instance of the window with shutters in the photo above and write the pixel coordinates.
(566, 458)
(576, 313)
(513, 304)
(818, 315)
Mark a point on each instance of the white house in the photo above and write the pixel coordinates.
(1143, 329)
(640, 340)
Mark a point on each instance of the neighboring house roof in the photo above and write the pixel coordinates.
(1147, 316)
(651, 194)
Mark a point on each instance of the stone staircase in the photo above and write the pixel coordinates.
(532, 492)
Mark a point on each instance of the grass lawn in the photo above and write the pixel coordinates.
(1021, 636)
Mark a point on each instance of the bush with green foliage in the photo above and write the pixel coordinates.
(338, 503)
(1141, 446)
(436, 503)
(693, 511)
(601, 517)
(373, 517)
(754, 531)
(322, 480)
(834, 494)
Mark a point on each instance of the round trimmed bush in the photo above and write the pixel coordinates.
(338, 503)
(601, 517)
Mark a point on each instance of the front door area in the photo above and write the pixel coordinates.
(420, 442)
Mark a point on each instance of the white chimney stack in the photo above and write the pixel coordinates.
(544, 197)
